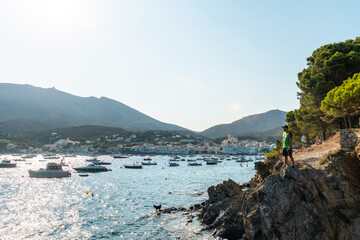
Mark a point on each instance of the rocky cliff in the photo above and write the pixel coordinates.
(311, 201)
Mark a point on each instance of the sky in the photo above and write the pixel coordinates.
(191, 63)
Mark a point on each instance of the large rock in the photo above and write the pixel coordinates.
(300, 203)
(349, 139)
(226, 189)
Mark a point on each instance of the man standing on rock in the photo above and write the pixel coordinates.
(287, 144)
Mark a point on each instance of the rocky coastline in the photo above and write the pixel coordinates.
(311, 201)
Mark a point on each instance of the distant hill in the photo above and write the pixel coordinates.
(249, 126)
(84, 133)
(25, 108)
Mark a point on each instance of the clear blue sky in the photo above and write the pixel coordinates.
(191, 63)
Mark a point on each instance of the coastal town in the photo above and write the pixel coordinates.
(176, 144)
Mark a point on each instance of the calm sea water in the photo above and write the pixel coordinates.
(122, 203)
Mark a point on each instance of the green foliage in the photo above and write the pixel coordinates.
(293, 125)
(328, 67)
(343, 101)
(275, 152)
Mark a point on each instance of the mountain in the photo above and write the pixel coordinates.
(249, 125)
(26, 108)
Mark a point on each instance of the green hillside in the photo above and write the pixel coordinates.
(248, 125)
(91, 133)
(25, 108)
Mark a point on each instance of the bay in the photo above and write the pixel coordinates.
(119, 204)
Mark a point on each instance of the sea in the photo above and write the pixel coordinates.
(109, 205)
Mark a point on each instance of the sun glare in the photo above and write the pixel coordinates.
(53, 18)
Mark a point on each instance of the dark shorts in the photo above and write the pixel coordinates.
(287, 152)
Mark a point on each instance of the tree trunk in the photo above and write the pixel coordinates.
(349, 119)
(307, 139)
(323, 130)
(346, 125)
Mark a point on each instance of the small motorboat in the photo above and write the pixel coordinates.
(173, 164)
(149, 163)
(147, 159)
(29, 156)
(7, 164)
(92, 160)
(211, 162)
(50, 156)
(19, 160)
(119, 156)
(98, 162)
(191, 160)
(92, 168)
(83, 174)
(134, 166)
(52, 170)
(242, 160)
(194, 164)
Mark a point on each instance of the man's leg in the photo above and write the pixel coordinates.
(291, 158)
(292, 161)
(286, 157)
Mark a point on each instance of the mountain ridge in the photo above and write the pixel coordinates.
(46, 108)
(247, 125)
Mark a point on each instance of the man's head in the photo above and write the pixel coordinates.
(286, 128)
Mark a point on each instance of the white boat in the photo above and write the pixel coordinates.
(92, 160)
(52, 170)
(242, 159)
(98, 162)
(19, 160)
(175, 159)
(149, 163)
(92, 168)
(134, 166)
(29, 156)
(7, 164)
(173, 164)
(51, 157)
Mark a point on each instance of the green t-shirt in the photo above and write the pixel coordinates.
(286, 139)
